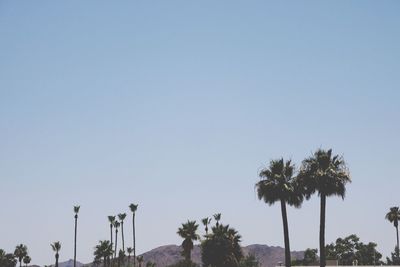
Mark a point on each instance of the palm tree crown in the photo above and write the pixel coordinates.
(56, 246)
(277, 183)
(217, 218)
(325, 174)
(206, 221)
(393, 216)
(27, 260)
(76, 209)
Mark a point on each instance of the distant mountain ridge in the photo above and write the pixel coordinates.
(268, 256)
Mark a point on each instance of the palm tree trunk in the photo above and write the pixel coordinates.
(116, 240)
(104, 262)
(285, 234)
(76, 223)
(111, 231)
(56, 260)
(322, 257)
(134, 241)
(20, 264)
(122, 230)
(397, 250)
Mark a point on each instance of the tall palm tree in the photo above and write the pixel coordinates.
(328, 175)
(277, 184)
(27, 260)
(56, 246)
(217, 218)
(76, 211)
(133, 208)
(140, 260)
(129, 250)
(20, 252)
(206, 221)
(122, 217)
(188, 233)
(393, 216)
(103, 251)
(111, 220)
(116, 226)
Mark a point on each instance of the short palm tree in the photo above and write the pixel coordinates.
(393, 216)
(129, 250)
(206, 221)
(121, 257)
(328, 175)
(140, 260)
(56, 246)
(111, 220)
(188, 233)
(76, 211)
(217, 218)
(122, 217)
(27, 260)
(116, 226)
(103, 251)
(277, 184)
(20, 252)
(222, 247)
(133, 208)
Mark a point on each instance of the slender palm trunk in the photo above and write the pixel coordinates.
(116, 240)
(20, 264)
(322, 262)
(76, 228)
(56, 260)
(111, 234)
(134, 241)
(286, 233)
(104, 261)
(122, 231)
(397, 235)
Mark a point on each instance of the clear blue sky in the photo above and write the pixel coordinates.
(176, 105)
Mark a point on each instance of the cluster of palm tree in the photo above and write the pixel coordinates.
(107, 250)
(393, 216)
(322, 173)
(20, 255)
(219, 248)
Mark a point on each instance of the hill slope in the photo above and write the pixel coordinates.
(266, 255)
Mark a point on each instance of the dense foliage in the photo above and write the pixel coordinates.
(350, 251)
(222, 248)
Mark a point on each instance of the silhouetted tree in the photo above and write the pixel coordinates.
(76, 211)
(188, 233)
(56, 246)
(328, 175)
(278, 185)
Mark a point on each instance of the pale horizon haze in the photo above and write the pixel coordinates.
(177, 105)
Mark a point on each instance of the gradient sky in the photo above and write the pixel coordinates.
(176, 106)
